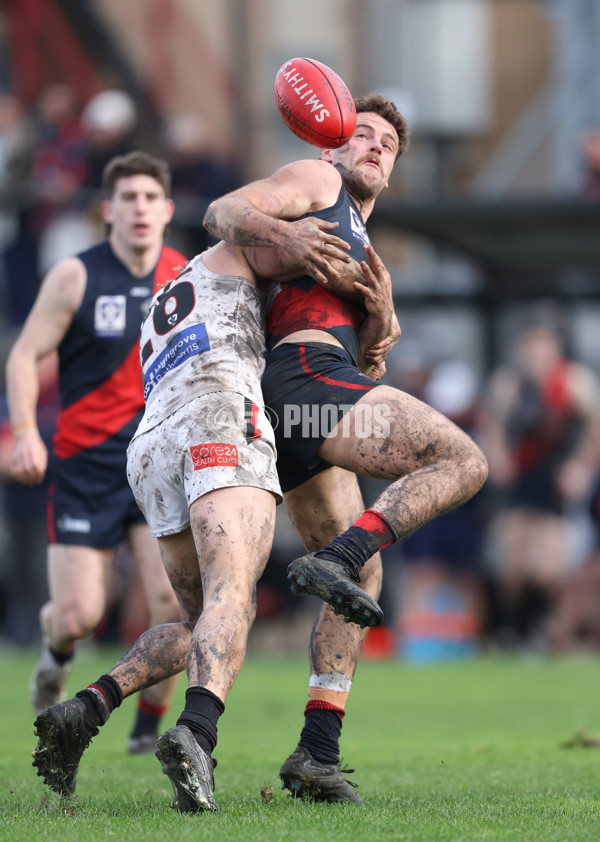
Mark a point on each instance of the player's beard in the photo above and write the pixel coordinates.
(360, 191)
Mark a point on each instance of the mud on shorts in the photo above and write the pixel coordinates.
(307, 390)
(218, 440)
(90, 503)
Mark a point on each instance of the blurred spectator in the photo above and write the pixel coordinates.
(59, 171)
(442, 596)
(589, 180)
(541, 436)
(201, 172)
(109, 121)
(17, 246)
(576, 622)
(25, 538)
(59, 153)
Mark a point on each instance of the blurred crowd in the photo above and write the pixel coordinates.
(517, 568)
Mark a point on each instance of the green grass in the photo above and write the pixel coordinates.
(447, 752)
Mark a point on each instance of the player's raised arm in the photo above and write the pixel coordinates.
(263, 218)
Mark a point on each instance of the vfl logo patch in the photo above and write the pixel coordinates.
(214, 455)
(110, 315)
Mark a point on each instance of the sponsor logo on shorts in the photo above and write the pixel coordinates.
(66, 523)
(214, 455)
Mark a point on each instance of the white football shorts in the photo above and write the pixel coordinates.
(218, 440)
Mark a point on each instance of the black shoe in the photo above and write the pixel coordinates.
(142, 744)
(64, 733)
(189, 769)
(307, 778)
(48, 680)
(336, 585)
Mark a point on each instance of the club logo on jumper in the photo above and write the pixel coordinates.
(66, 523)
(358, 228)
(110, 315)
(214, 455)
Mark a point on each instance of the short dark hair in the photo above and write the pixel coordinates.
(135, 163)
(379, 104)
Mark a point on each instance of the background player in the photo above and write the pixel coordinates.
(90, 308)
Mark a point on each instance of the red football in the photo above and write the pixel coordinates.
(315, 103)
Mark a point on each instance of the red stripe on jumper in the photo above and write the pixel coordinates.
(328, 380)
(168, 267)
(100, 414)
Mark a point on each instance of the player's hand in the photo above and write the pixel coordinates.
(376, 291)
(377, 371)
(29, 459)
(378, 352)
(377, 288)
(313, 247)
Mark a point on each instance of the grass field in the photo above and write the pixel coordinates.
(445, 752)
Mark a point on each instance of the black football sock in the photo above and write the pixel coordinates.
(322, 729)
(201, 714)
(148, 718)
(62, 657)
(354, 547)
(100, 699)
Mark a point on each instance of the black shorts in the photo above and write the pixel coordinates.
(90, 502)
(307, 390)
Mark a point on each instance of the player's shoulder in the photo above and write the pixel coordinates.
(68, 271)
(316, 180)
(63, 287)
(312, 168)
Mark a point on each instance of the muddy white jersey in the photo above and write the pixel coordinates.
(204, 333)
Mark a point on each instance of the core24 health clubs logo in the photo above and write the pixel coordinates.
(213, 455)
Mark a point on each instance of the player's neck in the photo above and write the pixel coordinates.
(139, 261)
(365, 206)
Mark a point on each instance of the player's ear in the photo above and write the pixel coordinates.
(169, 210)
(106, 210)
(326, 155)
